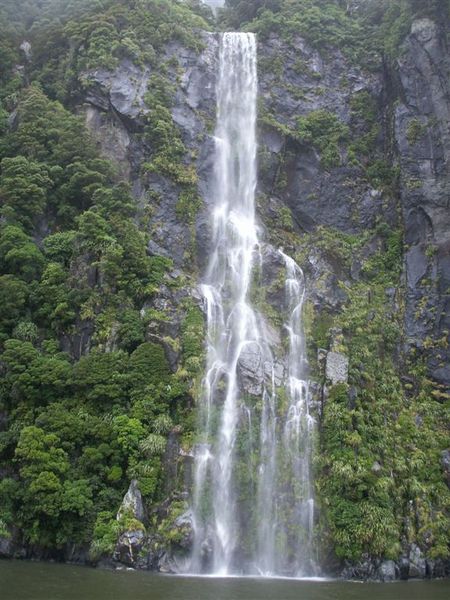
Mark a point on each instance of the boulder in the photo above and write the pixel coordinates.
(416, 266)
(417, 563)
(184, 526)
(337, 367)
(6, 547)
(128, 548)
(388, 571)
(132, 503)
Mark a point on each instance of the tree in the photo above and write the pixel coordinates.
(53, 298)
(47, 133)
(19, 255)
(24, 186)
(32, 377)
(13, 296)
(101, 378)
(242, 11)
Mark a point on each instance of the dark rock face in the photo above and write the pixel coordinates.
(423, 140)
(115, 111)
(309, 83)
(11, 545)
(417, 564)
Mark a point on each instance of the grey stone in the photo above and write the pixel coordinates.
(388, 571)
(417, 564)
(132, 503)
(185, 526)
(416, 266)
(365, 569)
(337, 367)
(125, 87)
(322, 357)
(128, 547)
(403, 566)
(250, 368)
(112, 136)
(6, 547)
(424, 76)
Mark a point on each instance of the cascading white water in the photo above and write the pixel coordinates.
(252, 464)
(299, 424)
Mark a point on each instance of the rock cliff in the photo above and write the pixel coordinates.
(336, 196)
(354, 182)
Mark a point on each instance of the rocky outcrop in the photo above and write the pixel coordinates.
(423, 140)
(251, 369)
(296, 80)
(412, 566)
(132, 504)
(336, 367)
(128, 549)
(115, 109)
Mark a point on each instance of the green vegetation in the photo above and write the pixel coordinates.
(324, 130)
(87, 399)
(416, 130)
(363, 31)
(379, 481)
(323, 23)
(69, 38)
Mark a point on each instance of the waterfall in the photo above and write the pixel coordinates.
(253, 498)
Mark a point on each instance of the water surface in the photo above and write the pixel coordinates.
(43, 581)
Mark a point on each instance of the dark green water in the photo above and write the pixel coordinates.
(41, 581)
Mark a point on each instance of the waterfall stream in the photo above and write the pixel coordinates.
(253, 496)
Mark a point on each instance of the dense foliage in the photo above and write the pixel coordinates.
(379, 480)
(362, 30)
(87, 399)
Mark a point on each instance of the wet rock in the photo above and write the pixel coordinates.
(403, 565)
(107, 564)
(172, 564)
(416, 266)
(6, 547)
(128, 547)
(112, 136)
(250, 369)
(424, 75)
(11, 544)
(388, 571)
(132, 503)
(337, 367)
(417, 563)
(438, 568)
(125, 87)
(364, 570)
(184, 526)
